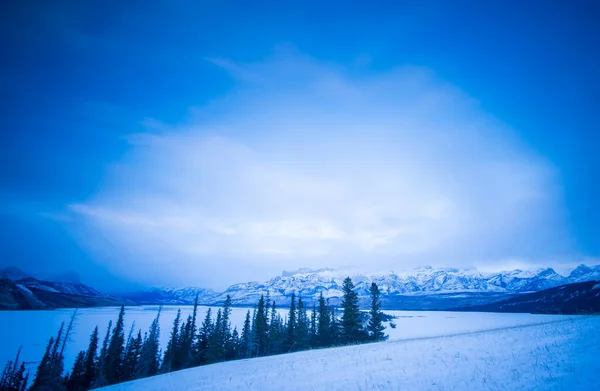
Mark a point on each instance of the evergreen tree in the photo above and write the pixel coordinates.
(245, 349)
(76, 377)
(205, 334)
(302, 327)
(113, 361)
(14, 377)
(100, 380)
(49, 371)
(290, 342)
(313, 326)
(334, 333)
(132, 355)
(352, 330)
(171, 350)
(260, 328)
(84, 370)
(375, 326)
(323, 336)
(149, 361)
(216, 340)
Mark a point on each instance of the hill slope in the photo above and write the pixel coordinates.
(553, 356)
(578, 298)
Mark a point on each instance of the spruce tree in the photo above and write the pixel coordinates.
(171, 350)
(313, 326)
(131, 355)
(290, 342)
(334, 333)
(113, 362)
(205, 334)
(245, 349)
(76, 377)
(100, 380)
(14, 377)
(352, 330)
(260, 328)
(91, 361)
(323, 337)
(216, 341)
(375, 326)
(50, 368)
(149, 361)
(302, 327)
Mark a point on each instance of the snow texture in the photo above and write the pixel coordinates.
(559, 355)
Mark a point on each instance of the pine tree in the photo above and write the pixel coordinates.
(260, 328)
(50, 368)
(91, 360)
(216, 341)
(375, 326)
(302, 327)
(313, 326)
(226, 330)
(171, 350)
(323, 336)
(14, 377)
(205, 333)
(334, 333)
(149, 361)
(352, 330)
(113, 362)
(131, 357)
(245, 349)
(100, 380)
(290, 342)
(84, 370)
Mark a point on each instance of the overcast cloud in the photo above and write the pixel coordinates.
(308, 164)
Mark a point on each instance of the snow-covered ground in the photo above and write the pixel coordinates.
(561, 354)
(31, 329)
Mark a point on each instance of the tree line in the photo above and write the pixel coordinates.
(123, 357)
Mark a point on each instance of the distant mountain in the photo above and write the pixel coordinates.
(576, 298)
(173, 296)
(421, 288)
(13, 273)
(31, 293)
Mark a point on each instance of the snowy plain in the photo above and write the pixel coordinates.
(559, 354)
(31, 329)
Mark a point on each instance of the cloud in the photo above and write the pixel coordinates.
(305, 163)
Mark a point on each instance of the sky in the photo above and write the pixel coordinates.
(210, 143)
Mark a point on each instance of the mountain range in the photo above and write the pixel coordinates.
(424, 288)
(421, 288)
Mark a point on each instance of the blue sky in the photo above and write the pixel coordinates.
(106, 103)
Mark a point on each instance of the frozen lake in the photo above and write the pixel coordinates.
(32, 329)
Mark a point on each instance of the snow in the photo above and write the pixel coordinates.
(36, 327)
(561, 354)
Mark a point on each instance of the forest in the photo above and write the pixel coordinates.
(124, 356)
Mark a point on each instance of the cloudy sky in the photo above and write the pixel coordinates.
(209, 143)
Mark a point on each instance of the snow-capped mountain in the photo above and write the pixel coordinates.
(185, 295)
(443, 282)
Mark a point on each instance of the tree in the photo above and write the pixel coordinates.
(14, 377)
(302, 327)
(132, 355)
(149, 361)
(245, 349)
(100, 380)
(260, 328)
(214, 352)
(204, 336)
(323, 336)
(352, 330)
(313, 326)
(334, 329)
(290, 342)
(375, 326)
(84, 370)
(48, 375)
(113, 361)
(171, 350)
